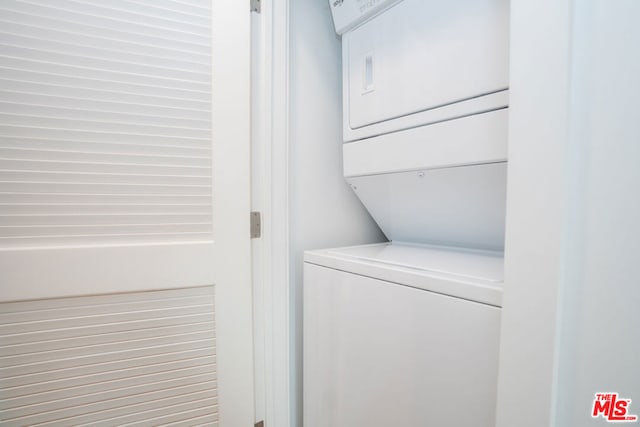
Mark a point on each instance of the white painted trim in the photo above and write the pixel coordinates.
(231, 110)
(537, 203)
(274, 263)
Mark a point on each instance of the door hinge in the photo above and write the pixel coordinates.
(254, 6)
(259, 424)
(256, 225)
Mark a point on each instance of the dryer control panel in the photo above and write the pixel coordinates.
(347, 14)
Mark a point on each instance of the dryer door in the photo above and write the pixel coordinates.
(424, 54)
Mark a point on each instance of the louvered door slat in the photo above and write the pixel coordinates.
(121, 358)
(105, 123)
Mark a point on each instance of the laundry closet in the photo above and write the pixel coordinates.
(319, 213)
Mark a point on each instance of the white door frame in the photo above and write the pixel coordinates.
(271, 186)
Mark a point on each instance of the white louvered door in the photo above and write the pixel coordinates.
(124, 198)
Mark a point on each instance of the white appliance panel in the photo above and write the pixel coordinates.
(471, 140)
(474, 275)
(382, 354)
(424, 259)
(423, 54)
(459, 206)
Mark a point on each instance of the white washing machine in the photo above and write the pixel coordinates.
(407, 334)
(401, 335)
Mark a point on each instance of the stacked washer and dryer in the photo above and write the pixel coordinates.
(406, 333)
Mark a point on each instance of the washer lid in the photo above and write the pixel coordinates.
(463, 273)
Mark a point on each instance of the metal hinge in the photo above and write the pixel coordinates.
(254, 6)
(256, 225)
(259, 424)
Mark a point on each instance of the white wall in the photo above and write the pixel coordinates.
(324, 212)
(570, 315)
(599, 341)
